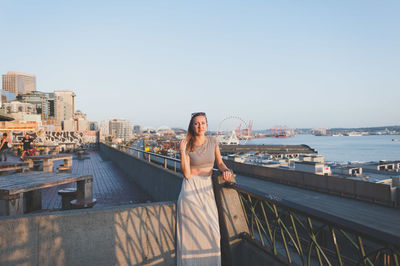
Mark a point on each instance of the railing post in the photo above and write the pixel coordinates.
(232, 220)
(165, 163)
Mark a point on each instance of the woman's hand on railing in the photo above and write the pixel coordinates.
(227, 174)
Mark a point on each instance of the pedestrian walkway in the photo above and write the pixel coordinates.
(111, 187)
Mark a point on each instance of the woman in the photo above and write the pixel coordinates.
(198, 237)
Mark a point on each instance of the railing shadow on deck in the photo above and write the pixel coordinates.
(128, 235)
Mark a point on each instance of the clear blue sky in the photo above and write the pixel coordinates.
(294, 63)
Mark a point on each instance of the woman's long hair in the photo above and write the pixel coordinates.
(190, 136)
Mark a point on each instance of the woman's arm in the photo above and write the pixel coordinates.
(226, 173)
(185, 160)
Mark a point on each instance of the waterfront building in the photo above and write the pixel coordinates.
(312, 167)
(18, 82)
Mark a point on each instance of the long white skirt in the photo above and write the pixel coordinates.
(197, 231)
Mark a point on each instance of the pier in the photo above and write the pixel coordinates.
(265, 219)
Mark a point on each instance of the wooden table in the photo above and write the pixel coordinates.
(48, 160)
(15, 188)
(9, 166)
(47, 147)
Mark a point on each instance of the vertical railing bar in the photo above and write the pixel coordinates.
(279, 221)
(243, 207)
(258, 229)
(289, 235)
(315, 241)
(361, 245)
(354, 244)
(396, 260)
(300, 250)
(336, 244)
(252, 215)
(378, 254)
(267, 222)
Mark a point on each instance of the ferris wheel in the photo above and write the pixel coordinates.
(233, 130)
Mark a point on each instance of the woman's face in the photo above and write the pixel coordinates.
(200, 125)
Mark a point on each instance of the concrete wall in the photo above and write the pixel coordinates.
(161, 184)
(379, 193)
(126, 235)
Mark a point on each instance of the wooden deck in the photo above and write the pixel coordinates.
(110, 186)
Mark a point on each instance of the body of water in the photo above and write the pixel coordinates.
(343, 148)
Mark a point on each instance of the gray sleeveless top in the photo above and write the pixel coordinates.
(203, 156)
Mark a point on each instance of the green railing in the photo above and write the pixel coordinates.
(300, 235)
(305, 236)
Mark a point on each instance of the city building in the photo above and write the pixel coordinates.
(44, 102)
(19, 83)
(64, 106)
(81, 123)
(7, 96)
(120, 128)
(104, 129)
(21, 112)
(94, 126)
(68, 125)
(137, 129)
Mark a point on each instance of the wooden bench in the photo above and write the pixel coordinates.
(63, 169)
(48, 160)
(14, 189)
(9, 166)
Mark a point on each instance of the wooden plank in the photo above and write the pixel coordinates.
(20, 183)
(49, 156)
(12, 164)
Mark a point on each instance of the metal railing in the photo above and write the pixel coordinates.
(307, 236)
(298, 234)
(166, 161)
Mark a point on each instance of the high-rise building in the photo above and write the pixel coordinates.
(104, 129)
(64, 105)
(19, 83)
(120, 128)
